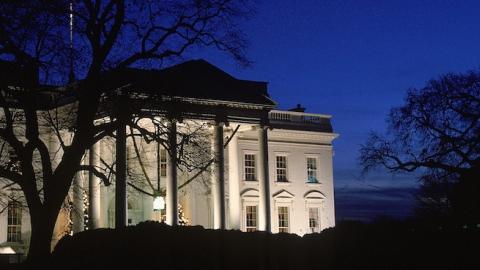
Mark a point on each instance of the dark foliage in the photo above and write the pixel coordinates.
(60, 41)
(436, 133)
(385, 244)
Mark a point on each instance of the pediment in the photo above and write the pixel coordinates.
(249, 192)
(283, 194)
(314, 195)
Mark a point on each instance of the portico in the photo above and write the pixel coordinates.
(241, 124)
(178, 94)
(267, 169)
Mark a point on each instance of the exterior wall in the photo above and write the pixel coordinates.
(296, 146)
(19, 247)
(196, 200)
(297, 194)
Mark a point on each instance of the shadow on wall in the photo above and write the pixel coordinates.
(351, 245)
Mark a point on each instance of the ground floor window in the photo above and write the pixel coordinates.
(14, 223)
(283, 219)
(313, 219)
(251, 218)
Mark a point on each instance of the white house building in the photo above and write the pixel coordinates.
(271, 169)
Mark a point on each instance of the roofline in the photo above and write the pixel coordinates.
(302, 113)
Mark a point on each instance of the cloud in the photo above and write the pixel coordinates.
(367, 203)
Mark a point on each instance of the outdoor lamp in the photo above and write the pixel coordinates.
(158, 203)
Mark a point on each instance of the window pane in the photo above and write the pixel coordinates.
(313, 219)
(283, 222)
(281, 162)
(312, 170)
(251, 218)
(14, 222)
(163, 162)
(250, 171)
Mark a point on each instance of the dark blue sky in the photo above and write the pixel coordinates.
(355, 60)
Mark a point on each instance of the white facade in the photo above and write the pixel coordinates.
(296, 193)
(300, 183)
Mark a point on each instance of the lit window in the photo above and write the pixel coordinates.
(312, 170)
(313, 221)
(14, 223)
(282, 169)
(163, 162)
(283, 219)
(251, 218)
(250, 172)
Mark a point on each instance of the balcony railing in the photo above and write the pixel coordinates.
(299, 117)
(300, 120)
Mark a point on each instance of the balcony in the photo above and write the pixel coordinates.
(300, 121)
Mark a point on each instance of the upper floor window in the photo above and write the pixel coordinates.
(14, 222)
(283, 219)
(250, 171)
(312, 170)
(281, 162)
(251, 218)
(313, 219)
(163, 162)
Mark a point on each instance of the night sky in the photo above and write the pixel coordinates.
(355, 60)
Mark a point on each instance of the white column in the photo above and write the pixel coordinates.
(218, 178)
(121, 178)
(264, 222)
(55, 150)
(77, 211)
(234, 184)
(56, 153)
(93, 189)
(171, 185)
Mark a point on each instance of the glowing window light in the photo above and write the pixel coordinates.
(158, 203)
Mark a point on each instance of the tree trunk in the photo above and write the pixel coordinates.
(42, 224)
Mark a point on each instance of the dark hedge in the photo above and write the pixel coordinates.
(152, 245)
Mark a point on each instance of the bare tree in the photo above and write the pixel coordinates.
(436, 133)
(109, 36)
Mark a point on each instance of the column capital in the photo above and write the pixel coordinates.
(221, 119)
(264, 127)
(264, 120)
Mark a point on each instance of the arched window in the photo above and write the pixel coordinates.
(250, 210)
(314, 200)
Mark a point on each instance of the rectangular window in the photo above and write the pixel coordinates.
(14, 223)
(250, 171)
(313, 221)
(312, 170)
(282, 169)
(251, 218)
(163, 162)
(283, 221)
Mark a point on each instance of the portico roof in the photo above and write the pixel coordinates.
(195, 79)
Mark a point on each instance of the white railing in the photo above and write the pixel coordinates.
(298, 117)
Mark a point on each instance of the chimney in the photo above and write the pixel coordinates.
(299, 108)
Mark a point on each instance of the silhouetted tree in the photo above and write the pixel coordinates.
(108, 36)
(434, 200)
(436, 133)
